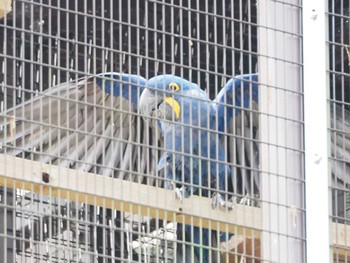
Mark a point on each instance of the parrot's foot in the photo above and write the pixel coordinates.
(179, 193)
(245, 200)
(218, 200)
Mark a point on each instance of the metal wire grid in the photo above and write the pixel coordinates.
(47, 43)
(339, 57)
(201, 31)
(281, 131)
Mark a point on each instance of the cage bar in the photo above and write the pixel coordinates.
(90, 187)
(316, 147)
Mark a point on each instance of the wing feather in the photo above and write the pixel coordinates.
(237, 109)
(113, 154)
(127, 157)
(340, 142)
(78, 125)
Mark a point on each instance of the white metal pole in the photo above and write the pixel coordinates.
(281, 131)
(316, 138)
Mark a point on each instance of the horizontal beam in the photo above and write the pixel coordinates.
(122, 195)
(139, 199)
(341, 236)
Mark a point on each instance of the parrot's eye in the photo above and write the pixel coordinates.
(173, 86)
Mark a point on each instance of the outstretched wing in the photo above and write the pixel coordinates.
(340, 146)
(340, 158)
(90, 124)
(237, 108)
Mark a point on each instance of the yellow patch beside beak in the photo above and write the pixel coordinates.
(175, 105)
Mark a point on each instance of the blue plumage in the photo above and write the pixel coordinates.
(193, 154)
(237, 107)
(192, 128)
(229, 100)
(189, 136)
(130, 86)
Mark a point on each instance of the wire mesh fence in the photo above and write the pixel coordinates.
(338, 71)
(151, 131)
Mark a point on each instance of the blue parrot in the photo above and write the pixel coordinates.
(237, 106)
(179, 104)
(104, 134)
(194, 160)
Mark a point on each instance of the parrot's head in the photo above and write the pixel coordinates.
(127, 86)
(165, 95)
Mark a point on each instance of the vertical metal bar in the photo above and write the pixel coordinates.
(172, 40)
(281, 132)
(316, 138)
(182, 39)
(162, 40)
(3, 106)
(190, 43)
(241, 39)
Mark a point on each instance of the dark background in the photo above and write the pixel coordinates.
(204, 43)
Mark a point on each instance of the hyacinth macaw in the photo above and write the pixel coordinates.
(188, 123)
(91, 124)
(189, 106)
(233, 112)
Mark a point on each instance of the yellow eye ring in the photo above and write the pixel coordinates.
(173, 86)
